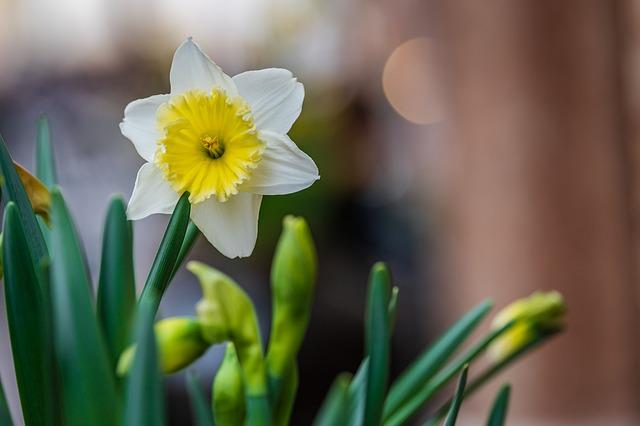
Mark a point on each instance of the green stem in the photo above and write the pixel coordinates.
(190, 237)
(164, 264)
(258, 410)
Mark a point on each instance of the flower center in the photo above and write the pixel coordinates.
(214, 146)
(209, 144)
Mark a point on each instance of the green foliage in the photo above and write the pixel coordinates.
(498, 413)
(30, 333)
(199, 406)
(66, 344)
(377, 343)
(5, 415)
(143, 404)
(452, 415)
(87, 376)
(166, 258)
(116, 289)
(334, 410)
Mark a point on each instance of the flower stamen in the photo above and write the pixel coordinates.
(213, 145)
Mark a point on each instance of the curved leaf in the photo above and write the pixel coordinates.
(428, 363)
(377, 341)
(457, 398)
(13, 190)
(334, 410)
(87, 377)
(116, 289)
(28, 324)
(144, 404)
(202, 413)
(499, 411)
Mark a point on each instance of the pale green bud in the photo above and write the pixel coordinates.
(179, 342)
(226, 313)
(228, 392)
(293, 276)
(537, 315)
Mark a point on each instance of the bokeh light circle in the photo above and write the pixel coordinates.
(412, 81)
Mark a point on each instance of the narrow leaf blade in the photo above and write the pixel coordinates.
(428, 363)
(5, 415)
(411, 406)
(144, 404)
(377, 338)
(357, 395)
(87, 377)
(334, 410)
(457, 398)
(28, 324)
(45, 164)
(201, 410)
(498, 413)
(116, 289)
(14, 191)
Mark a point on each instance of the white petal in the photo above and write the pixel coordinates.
(275, 97)
(192, 69)
(139, 124)
(151, 194)
(284, 168)
(232, 226)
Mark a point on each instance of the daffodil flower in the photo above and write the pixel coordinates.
(222, 139)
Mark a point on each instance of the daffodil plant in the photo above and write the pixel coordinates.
(214, 146)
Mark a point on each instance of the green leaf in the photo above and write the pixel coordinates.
(500, 406)
(5, 415)
(45, 167)
(116, 290)
(87, 377)
(415, 402)
(393, 307)
(457, 398)
(334, 410)
(45, 164)
(28, 324)
(164, 263)
(144, 404)
(357, 395)
(202, 413)
(377, 342)
(491, 372)
(428, 363)
(13, 189)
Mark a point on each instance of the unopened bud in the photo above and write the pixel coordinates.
(293, 276)
(226, 313)
(536, 316)
(228, 392)
(179, 342)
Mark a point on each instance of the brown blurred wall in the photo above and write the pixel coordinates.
(542, 195)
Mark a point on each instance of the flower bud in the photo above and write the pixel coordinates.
(228, 392)
(536, 316)
(293, 276)
(179, 342)
(226, 313)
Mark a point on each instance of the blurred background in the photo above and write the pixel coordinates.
(482, 149)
